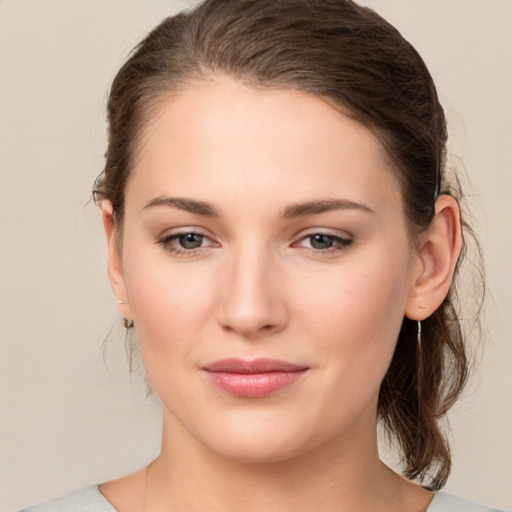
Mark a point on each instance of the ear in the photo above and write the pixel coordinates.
(438, 250)
(114, 260)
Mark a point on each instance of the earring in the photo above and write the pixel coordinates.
(419, 333)
(128, 323)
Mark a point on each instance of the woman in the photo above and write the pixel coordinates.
(283, 240)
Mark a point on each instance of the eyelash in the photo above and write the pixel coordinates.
(167, 243)
(338, 243)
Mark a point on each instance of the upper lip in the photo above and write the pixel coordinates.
(261, 365)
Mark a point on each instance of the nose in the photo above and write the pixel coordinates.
(253, 299)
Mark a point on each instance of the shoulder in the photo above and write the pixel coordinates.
(88, 499)
(443, 502)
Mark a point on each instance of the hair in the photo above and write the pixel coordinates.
(356, 61)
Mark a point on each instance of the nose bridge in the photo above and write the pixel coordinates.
(252, 299)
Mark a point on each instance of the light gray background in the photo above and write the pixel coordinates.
(65, 420)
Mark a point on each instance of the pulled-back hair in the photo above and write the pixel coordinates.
(357, 62)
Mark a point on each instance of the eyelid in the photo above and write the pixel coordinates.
(335, 233)
(182, 230)
(166, 239)
(344, 239)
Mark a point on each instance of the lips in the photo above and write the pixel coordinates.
(253, 379)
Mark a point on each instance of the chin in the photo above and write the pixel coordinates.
(261, 444)
(260, 453)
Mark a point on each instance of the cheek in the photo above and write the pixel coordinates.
(357, 296)
(355, 315)
(170, 303)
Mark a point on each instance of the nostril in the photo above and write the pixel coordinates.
(249, 329)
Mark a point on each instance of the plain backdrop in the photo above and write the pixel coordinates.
(70, 414)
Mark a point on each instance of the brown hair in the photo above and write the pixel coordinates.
(359, 63)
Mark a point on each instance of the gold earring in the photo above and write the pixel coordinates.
(419, 333)
(128, 323)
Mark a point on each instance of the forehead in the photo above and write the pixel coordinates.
(224, 136)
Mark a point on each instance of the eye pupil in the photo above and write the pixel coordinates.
(191, 240)
(321, 242)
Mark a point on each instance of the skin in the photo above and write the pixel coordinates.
(258, 285)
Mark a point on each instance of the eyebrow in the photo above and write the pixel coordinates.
(322, 206)
(292, 211)
(181, 203)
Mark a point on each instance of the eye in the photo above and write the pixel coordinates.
(323, 242)
(186, 243)
(190, 240)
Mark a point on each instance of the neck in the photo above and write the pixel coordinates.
(345, 474)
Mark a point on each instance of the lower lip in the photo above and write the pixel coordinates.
(253, 385)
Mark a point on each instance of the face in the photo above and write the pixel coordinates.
(267, 267)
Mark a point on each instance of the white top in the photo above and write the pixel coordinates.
(90, 499)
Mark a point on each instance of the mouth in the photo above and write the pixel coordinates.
(253, 379)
